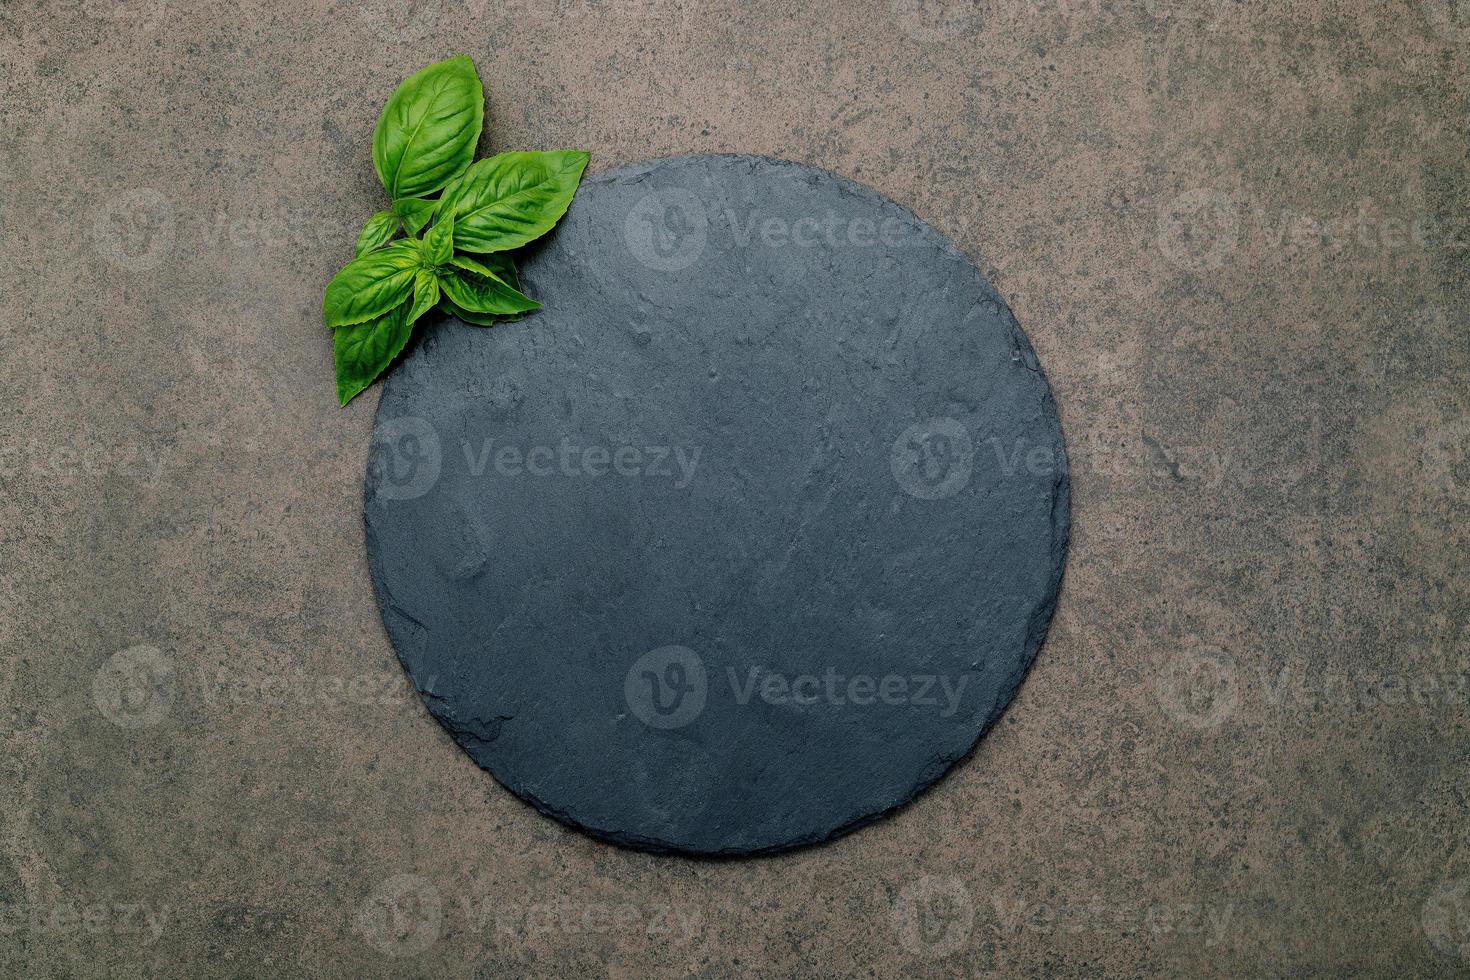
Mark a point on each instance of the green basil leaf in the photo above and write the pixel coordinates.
(427, 133)
(363, 350)
(482, 293)
(512, 198)
(477, 267)
(425, 294)
(378, 231)
(415, 212)
(469, 316)
(438, 247)
(504, 269)
(496, 265)
(370, 286)
(478, 319)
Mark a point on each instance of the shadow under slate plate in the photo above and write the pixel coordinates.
(747, 536)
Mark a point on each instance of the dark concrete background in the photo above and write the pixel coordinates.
(1237, 240)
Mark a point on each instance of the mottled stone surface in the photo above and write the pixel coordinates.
(746, 537)
(1266, 424)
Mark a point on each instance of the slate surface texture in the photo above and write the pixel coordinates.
(1235, 234)
(732, 547)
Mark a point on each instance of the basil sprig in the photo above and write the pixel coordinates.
(461, 219)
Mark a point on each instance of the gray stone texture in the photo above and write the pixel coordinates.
(1266, 426)
(745, 537)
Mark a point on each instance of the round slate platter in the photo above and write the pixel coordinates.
(747, 536)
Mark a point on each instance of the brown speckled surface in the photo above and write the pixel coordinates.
(1237, 239)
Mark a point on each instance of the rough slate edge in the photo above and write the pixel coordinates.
(1040, 619)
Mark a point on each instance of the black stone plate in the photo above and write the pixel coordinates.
(746, 537)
